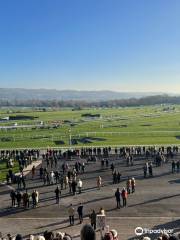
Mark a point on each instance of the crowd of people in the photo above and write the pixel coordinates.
(22, 158)
(52, 156)
(69, 176)
(19, 199)
(87, 232)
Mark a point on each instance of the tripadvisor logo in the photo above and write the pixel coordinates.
(140, 231)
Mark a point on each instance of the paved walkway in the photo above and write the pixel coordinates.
(28, 169)
(154, 205)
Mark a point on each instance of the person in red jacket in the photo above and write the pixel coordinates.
(124, 197)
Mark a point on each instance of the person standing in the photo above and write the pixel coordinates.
(23, 181)
(52, 177)
(114, 177)
(128, 185)
(173, 166)
(33, 171)
(61, 181)
(71, 212)
(74, 184)
(45, 178)
(133, 184)
(70, 184)
(26, 199)
(145, 170)
(93, 219)
(112, 167)
(13, 198)
(80, 212)
(83, 167)
(37, 197)
(34, 198)
(124, 197)
(118, 198)
(41, 172)
(99, 182)
(79, 185)
(107, 163)
(118, 177)
(19, 197)
(177, 166)
(18, 180)
(102, 211)
(150, 170)
(66, 181)
(56, 176)
(57, 193)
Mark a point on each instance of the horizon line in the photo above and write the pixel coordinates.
(92, 90)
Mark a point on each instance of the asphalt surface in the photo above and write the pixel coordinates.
(155, 204)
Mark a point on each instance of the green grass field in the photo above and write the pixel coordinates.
(4, 169)
(124, 126)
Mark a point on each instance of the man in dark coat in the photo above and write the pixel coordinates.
(73, 185)
(80, 213)
(118, 198)
(18, 197)
(13, 198)
(58, 193)
(93, 219)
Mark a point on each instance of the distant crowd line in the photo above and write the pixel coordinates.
(26, 157)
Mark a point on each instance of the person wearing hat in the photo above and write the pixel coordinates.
(115, 234)
(67, 237)
(59, 235)
(40, 237)
(108, 236)
(146, 238)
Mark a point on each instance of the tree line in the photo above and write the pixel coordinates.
(131, 102)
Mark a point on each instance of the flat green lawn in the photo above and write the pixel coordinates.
(123, 126)
(4, 170)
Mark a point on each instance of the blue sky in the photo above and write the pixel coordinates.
(121, 45)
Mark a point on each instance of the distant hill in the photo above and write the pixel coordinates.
(11, 94)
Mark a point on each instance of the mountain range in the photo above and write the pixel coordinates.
(12, 94)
